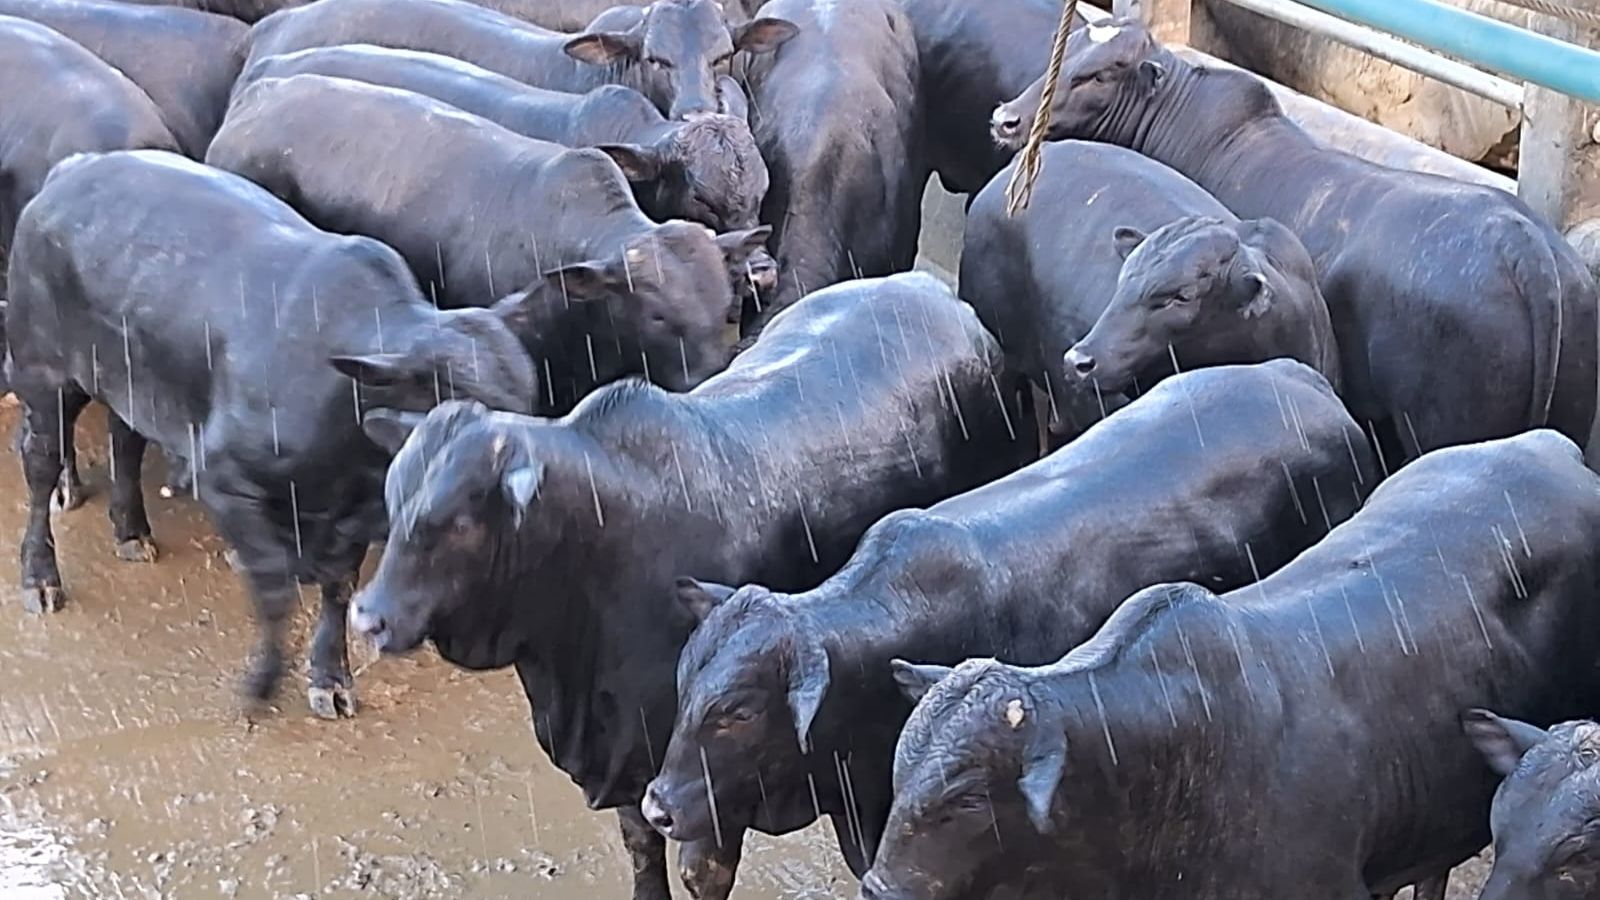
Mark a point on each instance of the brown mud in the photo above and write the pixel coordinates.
(127, 770)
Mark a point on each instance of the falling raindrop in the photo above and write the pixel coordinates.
(711, 798)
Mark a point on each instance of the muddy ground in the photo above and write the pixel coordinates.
(126, 770)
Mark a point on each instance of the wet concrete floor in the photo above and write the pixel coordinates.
(126, 770)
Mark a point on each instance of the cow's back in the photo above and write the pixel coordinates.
(77, 104)
(1470, 578)
(883, 388)
(460, 192)
(203, 279)
(184, 59)
(453, 28)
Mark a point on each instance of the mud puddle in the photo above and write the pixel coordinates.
(126, 771)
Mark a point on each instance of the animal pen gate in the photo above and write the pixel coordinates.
(1551, 74)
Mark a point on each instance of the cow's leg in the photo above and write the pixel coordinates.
(239, 508)
(180, 477)
(1433, 888)
(708, 870)
(128, 520)
(648, 850)
(332, 692)
(69, 493)
(49, 413)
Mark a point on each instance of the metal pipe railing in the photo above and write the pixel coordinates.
(1383, 46)
(1480, 40)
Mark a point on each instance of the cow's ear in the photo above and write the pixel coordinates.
(604, 48)
(738, 246)
(389, 428)
(1152, 72)
(915, 681)
(1501, 741)
(733, 99)
(1258, 295)
(376, 369)
(701, 597)
(808, 683)
(638, 163)
(1127, 240)
(1041, 775)
(763, 35)
(582, 282)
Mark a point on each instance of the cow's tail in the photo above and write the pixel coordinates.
(1536, 277)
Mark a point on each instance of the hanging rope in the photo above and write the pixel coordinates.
(1030, 162)
(1582, 15)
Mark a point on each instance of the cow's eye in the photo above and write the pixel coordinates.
(971, 803)
(1178, 299)
(739, 716)
(1105, 76)
(658, 62)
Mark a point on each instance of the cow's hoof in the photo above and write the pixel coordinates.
(44, 598)
(137, 549)
(336, 702)
(67, 496)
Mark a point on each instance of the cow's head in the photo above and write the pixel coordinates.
(1110, 68)
(663, 297)
(1546, 813)
(706, 170)
(466, 354)
(679, 48)
(750, 682)
(462, 484)
(978, 763)
(1188, 294)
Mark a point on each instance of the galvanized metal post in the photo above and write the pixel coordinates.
(1557, 175)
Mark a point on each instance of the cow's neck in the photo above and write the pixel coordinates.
(603, 626)
(1222, 129)
(1128, 762)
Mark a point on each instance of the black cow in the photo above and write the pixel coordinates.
(1317, 710)
(835, 114)
(974, 57)
(868, 397)
(789, 701)
(481, 214)
(1460, 312)
(1546, 813)
(707, 169)
(64, 100)
(1203, 292)
(184, 59)
(244, 10)
(1040, 279)
(222, 351)
(672, 55)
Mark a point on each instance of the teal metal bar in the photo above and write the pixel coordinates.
(1480, 40)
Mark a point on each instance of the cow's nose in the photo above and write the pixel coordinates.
(366, 622)
(654, 812)
(1080, 362)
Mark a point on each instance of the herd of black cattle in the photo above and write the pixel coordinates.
(419, 270)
